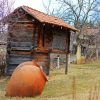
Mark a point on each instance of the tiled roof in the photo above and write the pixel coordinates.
(45, 18)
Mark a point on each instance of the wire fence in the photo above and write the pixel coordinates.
(57, 61)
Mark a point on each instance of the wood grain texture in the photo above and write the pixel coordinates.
(28, 39)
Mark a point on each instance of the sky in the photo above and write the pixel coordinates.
(38, 4)
(35, 4)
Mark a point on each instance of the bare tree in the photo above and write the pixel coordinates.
(6, 6)
(80, 13)
(52, 7)
(47, 7)
(77, 12)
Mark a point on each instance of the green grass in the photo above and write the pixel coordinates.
(64, 87)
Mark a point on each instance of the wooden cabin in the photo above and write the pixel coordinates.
(34, 35)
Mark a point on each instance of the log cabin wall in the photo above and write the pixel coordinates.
(30, 39)
(20, 41)
(57, 39)
(25, 42)
(43, 59)
(41, 52)
(54, 39)
(51, 39)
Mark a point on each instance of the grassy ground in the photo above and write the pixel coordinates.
(81, 83)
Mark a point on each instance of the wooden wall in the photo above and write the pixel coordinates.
(29, 40)
(43, 59)
(20, 42)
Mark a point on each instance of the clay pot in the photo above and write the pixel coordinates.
(28, 79)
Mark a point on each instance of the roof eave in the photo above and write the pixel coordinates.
(32, 14)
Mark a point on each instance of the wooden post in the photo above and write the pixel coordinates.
(34, 38)
(58, 62)
(69, 58)
(41, 55)
(67, 50)
(78, 55)
(97, 53)
(66, 67)
(40, 36)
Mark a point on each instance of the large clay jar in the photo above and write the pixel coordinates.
(28, 79)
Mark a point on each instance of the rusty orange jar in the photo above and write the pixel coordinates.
(28, 79)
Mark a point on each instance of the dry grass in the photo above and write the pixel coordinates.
(81, 83)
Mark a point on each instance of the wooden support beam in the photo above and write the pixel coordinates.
(67, 49)
(26, 21)
(66, 67)
(34, 40)
(40, 39)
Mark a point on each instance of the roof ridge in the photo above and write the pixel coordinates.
(42, 12)
(34, 9)
(45, 18)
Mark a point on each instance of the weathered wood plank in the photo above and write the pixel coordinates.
(15, 55)
(59, 51)
(25, 21)
(21, 52)
(40, 36)
(10, 69)
(18, 59)
(48, 38)
(21, 48)
(21, 44)
(44, 60)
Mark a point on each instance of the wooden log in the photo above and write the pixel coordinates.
(59, 51)
(18, 60)
(20, 43)
(21, 52)
(44, 60)
(21, 48)
(10, 68)
(40, 36)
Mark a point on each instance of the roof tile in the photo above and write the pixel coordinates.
(44, 18)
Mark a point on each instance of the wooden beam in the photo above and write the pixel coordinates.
(67, 49)
(66, 67)
(34, 40)
(58, 51)
(69, 41)
(24, 21)
(40, 37)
